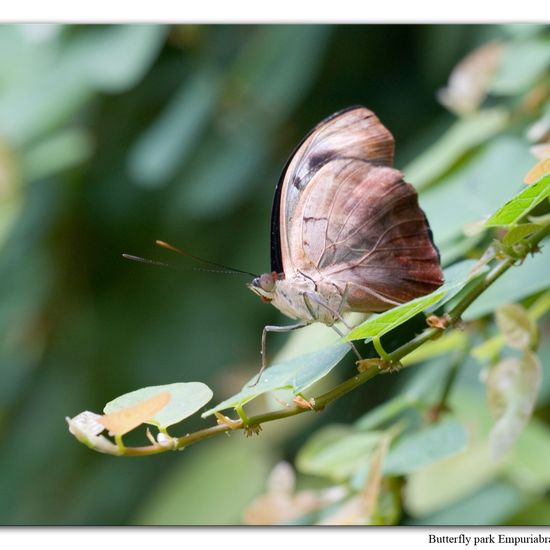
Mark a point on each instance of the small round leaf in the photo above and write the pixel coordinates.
(124, 420)
(186, 398)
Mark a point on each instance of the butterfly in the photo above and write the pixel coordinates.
(347, 233)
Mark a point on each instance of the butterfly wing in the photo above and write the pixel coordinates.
(358, 226)
(355, 223)
(355, 132)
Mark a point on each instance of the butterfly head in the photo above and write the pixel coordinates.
(264, 285)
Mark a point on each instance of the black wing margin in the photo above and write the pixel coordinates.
(276, 252)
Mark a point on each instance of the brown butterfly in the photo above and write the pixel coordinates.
(347, 233)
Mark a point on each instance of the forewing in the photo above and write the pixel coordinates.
(358, 225)
(355, 133)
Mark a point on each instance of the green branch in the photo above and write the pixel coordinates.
(375, 367)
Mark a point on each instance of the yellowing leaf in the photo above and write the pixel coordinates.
(186, 399)
(121, 422)
(512, 387)
(86, 423)
(360, 509)
(541, 150)
(470, 79)
(282, 505)
(371, 492)
(86, 428)
(538, 171)
(516, 326)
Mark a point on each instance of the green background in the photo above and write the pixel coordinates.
(114, 136)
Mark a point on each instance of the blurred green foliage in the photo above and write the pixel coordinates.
(114, 136)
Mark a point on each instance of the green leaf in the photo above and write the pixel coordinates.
(389, 507)
(522, 64)
(449, 342)
(536, 512)
(428, 379)
(297, 374)
(516, 326)
(58, 152)
(115, 57)
(437, 486)
(521, 204)
(527, 462)
(276, 68)
(458, 247)
(512, 387)
(540, 306)
(110, 59)
(378, 325)
(517, 283)
(168, 142)
(269, 77)
(186, 399)
(385, 412)
(427, 446)
(337, 451)
(476, 194)
(519, 232)
(491, 505)
(465, 134)
(27, 113)
(210, 188)
(456, 277)
(521, 30)
(120, 422)
(488, 351)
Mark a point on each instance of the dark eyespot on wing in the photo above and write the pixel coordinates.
(298, 183)
(354, 133)
(276, 254)
(317, 160)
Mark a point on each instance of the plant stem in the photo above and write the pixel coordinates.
(355, 381)
(441, 405)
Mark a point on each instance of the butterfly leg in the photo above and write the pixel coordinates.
(352, 346)
(309, 297)
(273, 328)
(342, 306)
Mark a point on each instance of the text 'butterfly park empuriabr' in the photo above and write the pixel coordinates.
(347, 233)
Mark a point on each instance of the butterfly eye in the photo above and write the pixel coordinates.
(265, 282)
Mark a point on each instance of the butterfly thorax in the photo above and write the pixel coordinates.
(300, 297)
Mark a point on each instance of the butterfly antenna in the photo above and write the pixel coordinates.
(179, 268)
(226, 268)
(145, 260)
